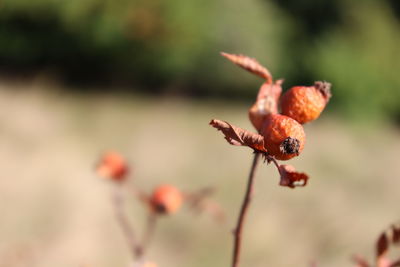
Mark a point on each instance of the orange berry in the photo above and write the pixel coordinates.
(305, 103)
(166, 199)
(112, 166)
(284, 138)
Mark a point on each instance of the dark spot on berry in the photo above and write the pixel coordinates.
(324, 88)
(290, 146)
(160, 208)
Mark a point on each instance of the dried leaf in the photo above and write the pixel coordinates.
(249, 64)
(396, 234)
(291, 178)
(382, 245)
(239, 137)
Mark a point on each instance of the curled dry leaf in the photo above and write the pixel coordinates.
(249, 64)
(291, 178)
(239, 137)
(382, 245)
(396, 234)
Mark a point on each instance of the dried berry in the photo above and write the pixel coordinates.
(112, 166)
(305, 103)
(166, 199)
(284, 138)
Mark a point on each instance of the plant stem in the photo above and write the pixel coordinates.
(118, 204)
(243, 211)
(149, 232)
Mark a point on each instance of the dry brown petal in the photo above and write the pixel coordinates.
(291, 178)
(249, 64)
(239, 137)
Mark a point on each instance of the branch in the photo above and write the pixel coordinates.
(243, 211)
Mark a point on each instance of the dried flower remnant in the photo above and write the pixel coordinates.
(112, 166)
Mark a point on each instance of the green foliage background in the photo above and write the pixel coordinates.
(172, 46)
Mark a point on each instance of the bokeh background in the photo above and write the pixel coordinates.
(144, 78)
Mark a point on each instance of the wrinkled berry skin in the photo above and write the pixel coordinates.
(166, 199)
(284, 138)
(305, 103)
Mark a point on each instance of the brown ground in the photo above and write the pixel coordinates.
(56, 212)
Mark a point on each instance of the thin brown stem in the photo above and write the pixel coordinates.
(127, 230)
(149, 232)
(243, 211)
(270, 158)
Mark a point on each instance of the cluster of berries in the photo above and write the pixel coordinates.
(280, 135)
(164, 200)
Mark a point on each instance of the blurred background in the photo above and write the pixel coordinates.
(144, 78)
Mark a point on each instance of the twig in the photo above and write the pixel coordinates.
(118, 204)
(149, 232)
(243, 211)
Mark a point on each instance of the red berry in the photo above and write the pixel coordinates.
(305, 103)
(112, 166)
(284, 138)
(166, 199)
